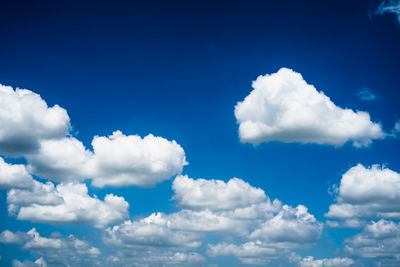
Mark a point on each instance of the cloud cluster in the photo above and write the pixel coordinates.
(117, 160)
(65, 203)
(55, 250)
(326, 262)
(26, 120)
(365, 194)
(283, 107)
(379, 240)
(220, 208)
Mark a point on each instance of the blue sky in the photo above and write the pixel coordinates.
(177, 70)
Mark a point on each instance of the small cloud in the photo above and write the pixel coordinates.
(396, 129)
(366, 94)
(392, 6)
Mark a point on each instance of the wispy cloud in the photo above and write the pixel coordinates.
(366, 94)
(392, 6)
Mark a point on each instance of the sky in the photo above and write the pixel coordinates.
(200, 133)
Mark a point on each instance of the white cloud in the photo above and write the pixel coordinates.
(391, 6)
(132, 160)
(379, 240)
(367, 193)
(326, 262)
(283, 107)
(64, 159)
(215, 194)
(26, 119)
(56, 250)
(66, 203)
(155, 258)
(14, 176)
(247, 253)
(117, 160)
(37, 263)
(290, 228)
(247, 215)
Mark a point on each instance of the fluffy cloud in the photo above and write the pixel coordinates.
(26, 119)
(327, 262)
(65, 203)
(14, 176)
(247, 253)
(379, 240)
(391, 6)
(55, 250)
(367, 193)
(215, 194)
(291, 227)
(266, 228)
(155, 258)
(132, 160)
(116, 160)
(283, 107)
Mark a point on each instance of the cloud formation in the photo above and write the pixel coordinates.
(117, 160)
(246, 213)
(55, 250)
(283, 107)
(65, 203)
(391, 6)
(379, 240)
(26, 119)
(365, 194)
(14, 176)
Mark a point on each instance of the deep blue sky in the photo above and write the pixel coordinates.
(176, 69)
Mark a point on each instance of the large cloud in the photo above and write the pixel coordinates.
(215, 194)
(247, 215)
(65, 203)
(116, 160)
(56, 250)
(379, 240)
(367, 193)
(283, 107)
(26, 119)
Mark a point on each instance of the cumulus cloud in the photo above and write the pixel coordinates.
(26, 119)
(215, 194)
(117, 160)
(66, 203)
(56, 250)
(326, 262)
(367, 193)
(391, 6)
(155, 258)
(247, 253)
(379, 240)
(14, 176)
(246, 214)
(283, 107)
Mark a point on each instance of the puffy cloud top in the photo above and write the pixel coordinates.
(14, 176)
(283, 107)
(132, 160)
(367, 193)
(26, 119)
(66, 203)
(215, 194)
(117, 160)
